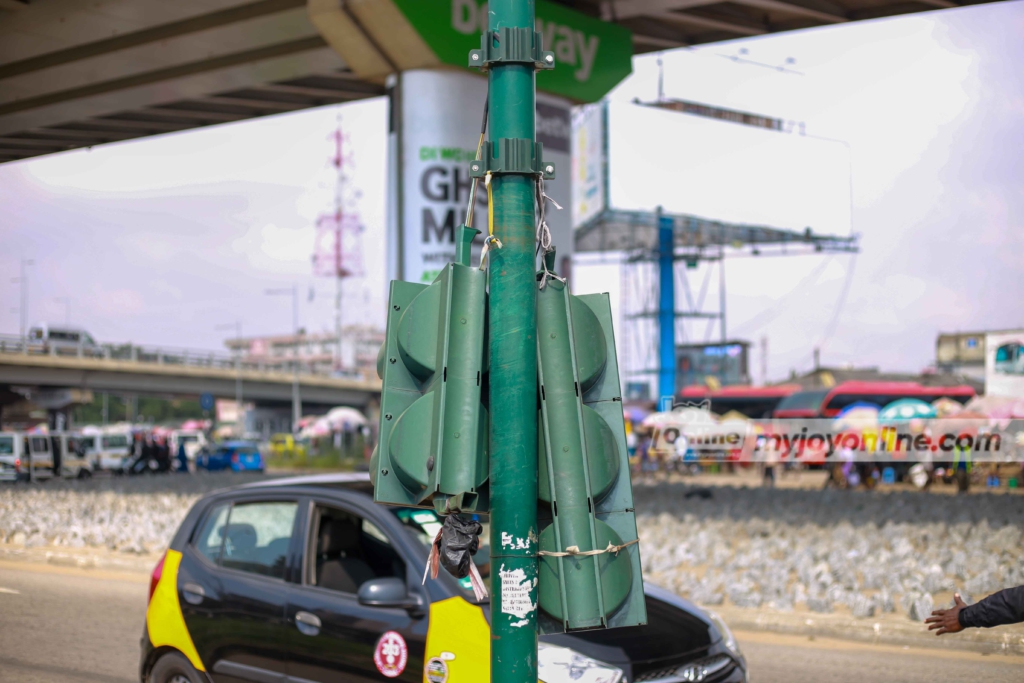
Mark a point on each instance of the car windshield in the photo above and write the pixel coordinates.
(188, 438)
(424, 525)
(6, 445)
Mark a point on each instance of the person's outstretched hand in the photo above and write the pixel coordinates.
(947, 620)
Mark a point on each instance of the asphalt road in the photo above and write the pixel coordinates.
(70, 625)
(62, 625)
(777, 658)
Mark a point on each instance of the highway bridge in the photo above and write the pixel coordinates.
(135, 370)
(75, 74)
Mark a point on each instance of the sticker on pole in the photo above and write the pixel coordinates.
(391, 654)
(515, 594)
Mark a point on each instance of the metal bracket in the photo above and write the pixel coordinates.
(512, 155)
(515, 45)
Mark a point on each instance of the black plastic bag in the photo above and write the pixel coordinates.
(460, 539)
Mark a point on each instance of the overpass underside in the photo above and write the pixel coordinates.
(75, 74)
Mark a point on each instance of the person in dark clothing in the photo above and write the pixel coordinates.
(1004, 607)
(182, 457)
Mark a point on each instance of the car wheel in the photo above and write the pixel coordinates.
(174, 668)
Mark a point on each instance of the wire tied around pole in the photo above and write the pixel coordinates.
(488, 241)
(574, 550)
(544, 231)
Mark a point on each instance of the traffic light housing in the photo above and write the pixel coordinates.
(584, 483)
(432, 450)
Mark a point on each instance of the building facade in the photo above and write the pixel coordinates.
(321, 353)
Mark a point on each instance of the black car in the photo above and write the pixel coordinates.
(307, 579)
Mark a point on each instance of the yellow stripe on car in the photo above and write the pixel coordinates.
(164, 621)
(459, 636)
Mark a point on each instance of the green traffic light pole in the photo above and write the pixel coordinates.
(513, 369)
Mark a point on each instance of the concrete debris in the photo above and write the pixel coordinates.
(868, 552)
(131, 515)
(863, 607)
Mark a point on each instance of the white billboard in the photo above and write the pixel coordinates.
(588, 163)
(434, 131)
(1004, 364)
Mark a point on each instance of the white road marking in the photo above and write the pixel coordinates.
(11, 591)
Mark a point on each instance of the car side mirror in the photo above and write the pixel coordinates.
(389, 592)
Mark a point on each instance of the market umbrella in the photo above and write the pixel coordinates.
(344, 417)
(906, 409)
(734, 416)
(635, 413)
(946, 407)
(857, 417)
(998, 407)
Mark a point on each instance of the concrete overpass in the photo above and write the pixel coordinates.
(162, 373)
(76, 74)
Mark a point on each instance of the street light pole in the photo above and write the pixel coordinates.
(512, 311)
(296, 397)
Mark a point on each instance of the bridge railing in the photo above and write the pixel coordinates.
(153, 355)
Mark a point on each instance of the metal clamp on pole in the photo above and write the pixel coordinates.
(512, 45)
(512, 155)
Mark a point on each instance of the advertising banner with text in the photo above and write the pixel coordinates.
(434, 139)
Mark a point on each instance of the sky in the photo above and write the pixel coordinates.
(913, 126)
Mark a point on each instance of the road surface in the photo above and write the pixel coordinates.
(64, 625)
(775, 658)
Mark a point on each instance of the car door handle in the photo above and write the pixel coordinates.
(193, 593)
(308, 624)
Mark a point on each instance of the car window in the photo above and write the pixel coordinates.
(40, 444)
(257, 536)
(210, 538)
(348, 550)
(7, 445)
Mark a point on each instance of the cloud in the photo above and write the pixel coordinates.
(278, 250)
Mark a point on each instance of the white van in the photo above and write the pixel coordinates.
(113, 449)
(63, 341)
(10, 456)
(42, 456)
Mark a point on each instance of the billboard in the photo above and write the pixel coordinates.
(589, 170)
(591, 56)
(1004, 364)
(725, 363)
(435, 125)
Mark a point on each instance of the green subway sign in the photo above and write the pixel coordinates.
(592, 56)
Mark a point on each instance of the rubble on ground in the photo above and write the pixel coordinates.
(866, 552)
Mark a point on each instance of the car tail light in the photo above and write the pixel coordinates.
(17, 464)
(234, 458)
(158, 571)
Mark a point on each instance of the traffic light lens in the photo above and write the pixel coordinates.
(417, 332)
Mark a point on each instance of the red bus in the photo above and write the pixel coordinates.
(830, 402)
(754, 402)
